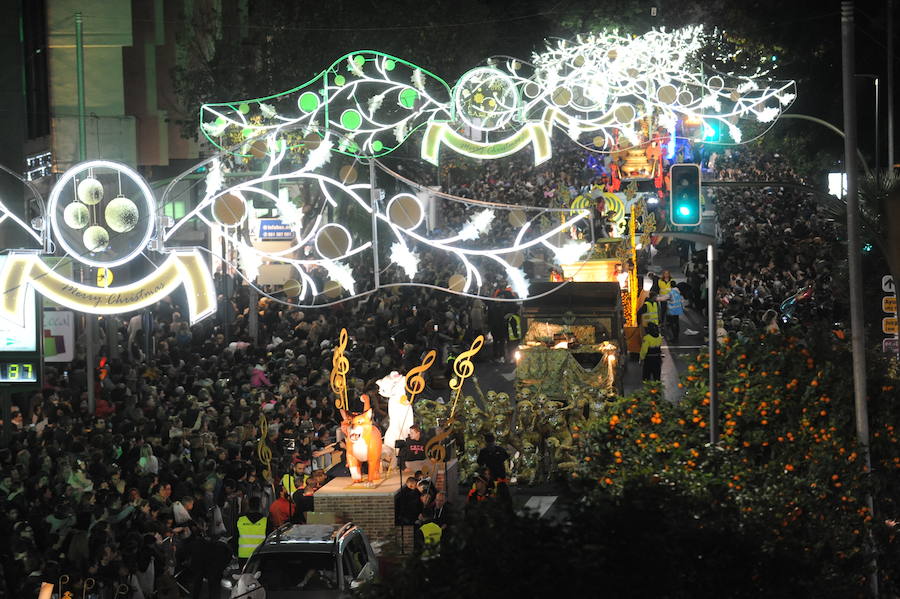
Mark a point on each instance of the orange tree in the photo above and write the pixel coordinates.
(788, 463)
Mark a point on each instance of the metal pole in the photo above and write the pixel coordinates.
(877, 128)
(711, 319)
(890, 85)
(812, 119)
(373, 199)
(79, 76)
(89, 319)
(857, 320)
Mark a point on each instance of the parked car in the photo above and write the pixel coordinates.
(304, 560)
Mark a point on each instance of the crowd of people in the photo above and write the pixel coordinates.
(777, 248)
(170, 453)
(147, 491)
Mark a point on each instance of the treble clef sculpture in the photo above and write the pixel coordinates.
(340, 366)
(434, 449)
(415, 382)
(463, 368)
(262, 448)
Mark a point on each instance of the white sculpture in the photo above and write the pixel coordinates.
(400, 411)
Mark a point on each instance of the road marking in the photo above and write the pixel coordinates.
(540, 504)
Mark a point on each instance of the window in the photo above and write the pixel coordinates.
(175, 209)
(355, 558)
(300, 571)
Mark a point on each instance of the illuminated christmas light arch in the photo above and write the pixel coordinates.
(603, 85)
(362, 107)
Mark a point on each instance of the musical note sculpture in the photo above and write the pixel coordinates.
(340, 366)
(463, 368)
(262, 448)
(401, 392)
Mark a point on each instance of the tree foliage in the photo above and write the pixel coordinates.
(788, 465)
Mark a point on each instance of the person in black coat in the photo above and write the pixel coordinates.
(409, 503)
(208, 561)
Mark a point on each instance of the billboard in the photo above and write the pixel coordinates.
(59, 335)
(16, 338)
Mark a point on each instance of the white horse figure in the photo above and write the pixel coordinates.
(400, 411)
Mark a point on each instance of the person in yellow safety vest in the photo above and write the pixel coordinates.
(251, 529)
(651, 353)
(431, 533)
(650, 310)
(296, 478)
(513, 335)
(665, 283)
(513, 326)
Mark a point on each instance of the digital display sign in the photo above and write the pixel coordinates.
(18, 372)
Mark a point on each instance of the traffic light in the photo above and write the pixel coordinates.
(684, 195)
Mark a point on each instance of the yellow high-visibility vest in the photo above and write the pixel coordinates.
(513, 327)
(432, 533)
(288, 484)
(250, 535)
(652, 314)
(665, 286)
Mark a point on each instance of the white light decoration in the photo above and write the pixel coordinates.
(571, 252)
(138, 239)
(249, 261)
(96, 239)
(518, 281)
(407, 260)
(76, 215)
(90, 191)
(121, 215)
(608, 86)
(600, 83)
(478, 225)
(342, 274)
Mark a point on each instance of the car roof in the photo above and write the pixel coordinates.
(305, 537)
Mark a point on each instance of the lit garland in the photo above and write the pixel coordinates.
(599, 84)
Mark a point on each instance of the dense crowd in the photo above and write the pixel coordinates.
(777, 248)
(170, 458)
(146, 491)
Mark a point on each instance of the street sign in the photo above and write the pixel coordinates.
(275, 229)
(887, 284)
(890, 345)
(889, 325)
(889, 304)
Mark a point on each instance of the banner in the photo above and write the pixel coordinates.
(59, 335)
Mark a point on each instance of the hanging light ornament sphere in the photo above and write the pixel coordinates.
(76, 215)
(121, 214)
(90, 191)
(95, 238)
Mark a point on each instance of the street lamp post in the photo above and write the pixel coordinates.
(857, 319)
(877, 117)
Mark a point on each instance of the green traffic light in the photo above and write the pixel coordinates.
(685, 195)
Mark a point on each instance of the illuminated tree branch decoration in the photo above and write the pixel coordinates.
(605, 85)
(347, 239)
(338, 252)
